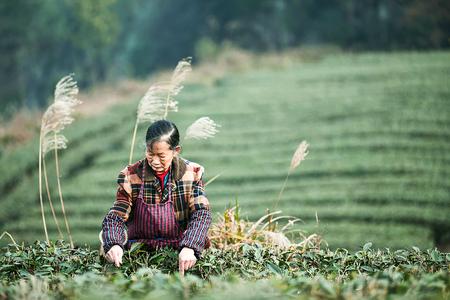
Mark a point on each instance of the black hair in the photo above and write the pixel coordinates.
(162, 131)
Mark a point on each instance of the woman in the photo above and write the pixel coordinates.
(160, 202)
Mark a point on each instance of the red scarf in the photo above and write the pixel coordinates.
(161, 178)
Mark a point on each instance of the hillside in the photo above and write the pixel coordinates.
(378, 126)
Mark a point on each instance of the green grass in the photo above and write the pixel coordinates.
(378, 125)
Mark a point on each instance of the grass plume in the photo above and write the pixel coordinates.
(203, 128)
(57, 116)
(159, 99)
(297, 158)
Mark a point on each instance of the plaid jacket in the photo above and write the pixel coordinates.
(191, 205)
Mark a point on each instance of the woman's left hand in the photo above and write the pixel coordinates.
(186, 260)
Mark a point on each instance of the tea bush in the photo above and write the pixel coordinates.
(250, 272)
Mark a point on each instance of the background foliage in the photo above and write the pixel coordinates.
(43, 40)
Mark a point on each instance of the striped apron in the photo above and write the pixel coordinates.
(155, 225)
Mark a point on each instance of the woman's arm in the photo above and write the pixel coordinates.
(199, 220)
(113, 225)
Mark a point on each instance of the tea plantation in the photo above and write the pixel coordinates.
(378, 167)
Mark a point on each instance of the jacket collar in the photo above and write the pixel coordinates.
(178, 169)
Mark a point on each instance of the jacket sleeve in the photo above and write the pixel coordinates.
(113, 225)
(199, 219)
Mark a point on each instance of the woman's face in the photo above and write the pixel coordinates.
(160, 156)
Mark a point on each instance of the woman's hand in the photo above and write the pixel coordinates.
(114, 255)
(186, 260)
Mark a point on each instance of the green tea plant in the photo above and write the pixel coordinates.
(60, 271)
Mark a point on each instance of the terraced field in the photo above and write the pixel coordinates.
(378, 126)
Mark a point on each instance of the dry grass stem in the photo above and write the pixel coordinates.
(230, 232)
(50, 201)
(299, 155)
(257, 223)
(10, 237)
(55, 119)
(212, 179)
(41, 202)
(291, 219)
(66, 92)
(61, 198)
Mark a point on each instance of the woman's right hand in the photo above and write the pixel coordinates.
(114, 255)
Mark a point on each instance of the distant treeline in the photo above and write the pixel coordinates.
(42, 40)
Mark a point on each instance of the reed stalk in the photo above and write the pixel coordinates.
(40, 191)
(282, 190)
(133, 141)
(56, 117)
(299, 155)
(50, 198)
(10, 237)
(61, 197)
